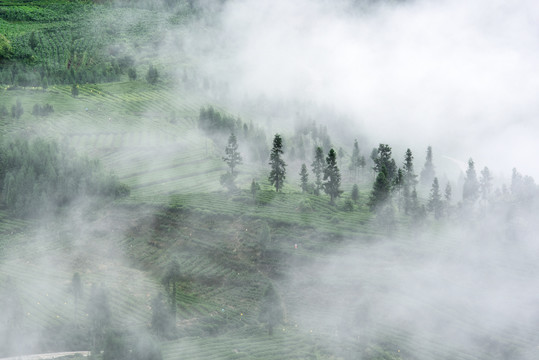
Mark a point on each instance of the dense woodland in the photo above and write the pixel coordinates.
(39, 177)
(196, 221)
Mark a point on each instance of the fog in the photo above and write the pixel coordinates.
(458, 290)
(457, 74)
(460, 76)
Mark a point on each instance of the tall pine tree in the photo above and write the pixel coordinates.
(485, 183)
(317, 167)
(410, 180)
(427, 174)
(470, 191)
(332, 177)
(380, 190)
(355, 160)
(435, 204)
(278, 166)
(232, 156)
(383, 159)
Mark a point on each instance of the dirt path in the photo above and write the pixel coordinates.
(47, 356)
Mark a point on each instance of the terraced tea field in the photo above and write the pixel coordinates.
(45, 291)
(128, 126)
(249, 343)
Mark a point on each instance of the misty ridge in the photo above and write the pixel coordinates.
(269, 180)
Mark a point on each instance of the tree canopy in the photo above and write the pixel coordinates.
(42, 176)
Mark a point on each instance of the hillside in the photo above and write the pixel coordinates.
(152, 254)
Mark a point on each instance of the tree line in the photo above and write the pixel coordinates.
(41, 176)
(394, 187)
(218, 125)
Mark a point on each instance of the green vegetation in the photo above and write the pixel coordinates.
(39, 177)
(278, 166)
(332, 177)
(116, 235)
(72, 42)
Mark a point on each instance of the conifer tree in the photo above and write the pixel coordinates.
(418, 210)
(470, 191)
(410, 180)
(447, 199)
(427, 174)
(485, 183)
(409, 175)
(523, 188)
(317, 167)
(304, 175)
(398, 182)
(448, 193)
(355, 160)
(232, 156)
(435, 204)
(332, 177)
(278, 166)
(383, 159)
(380, 190)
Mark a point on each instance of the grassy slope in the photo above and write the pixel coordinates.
(215, 237)
(228, 274)
(178, 210)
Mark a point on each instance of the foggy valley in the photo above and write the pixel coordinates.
(240, 179)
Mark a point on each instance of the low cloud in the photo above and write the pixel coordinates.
(457, 75)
